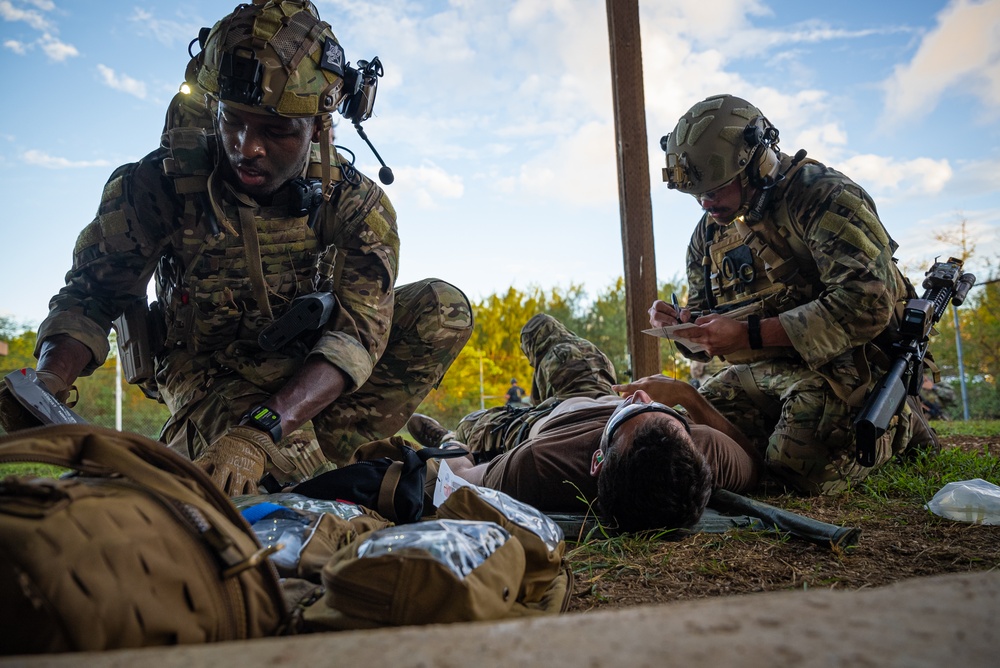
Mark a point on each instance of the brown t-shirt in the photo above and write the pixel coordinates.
(551, 470)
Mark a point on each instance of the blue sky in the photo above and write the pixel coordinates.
(496, 118)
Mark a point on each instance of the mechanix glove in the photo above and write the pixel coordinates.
(15, 417)
(236, 460)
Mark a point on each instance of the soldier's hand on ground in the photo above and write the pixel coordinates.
(662, 314)
(236, 460)
(719, 334)
(660, 388)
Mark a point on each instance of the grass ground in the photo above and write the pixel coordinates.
(899, 539)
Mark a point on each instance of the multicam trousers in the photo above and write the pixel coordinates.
(432, 320)
(566, 365)
(803, 428)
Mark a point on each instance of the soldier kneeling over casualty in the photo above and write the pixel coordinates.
(792, 281)
(237, 221)
(647, 465)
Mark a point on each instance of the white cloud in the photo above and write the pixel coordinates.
(425, 186)
(889, 178)
(20, 48)
(164, 31)
(33, 18)
(939, 235)
(42, 159)
(579, 169)
(122, 82)
(56, 49)
(962, 52)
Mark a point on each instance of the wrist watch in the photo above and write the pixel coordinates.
(264, 419)
(753, 332)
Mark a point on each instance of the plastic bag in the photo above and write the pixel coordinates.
(287, 520)
(975, 501)
(461, 546)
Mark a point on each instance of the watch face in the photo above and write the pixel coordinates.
(265, 416)
(265, 419)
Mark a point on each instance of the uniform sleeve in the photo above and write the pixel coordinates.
(853, 255)
(113, 259)
(362, 229)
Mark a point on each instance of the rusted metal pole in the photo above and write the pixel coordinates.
(633, 182)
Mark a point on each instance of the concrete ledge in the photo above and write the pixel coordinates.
(938, 621)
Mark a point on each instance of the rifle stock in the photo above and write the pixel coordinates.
(885, 401)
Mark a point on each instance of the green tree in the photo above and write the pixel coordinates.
(20, 340)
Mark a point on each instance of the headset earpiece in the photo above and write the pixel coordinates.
(762, 138)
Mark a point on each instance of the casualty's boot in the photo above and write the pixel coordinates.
(427, 431)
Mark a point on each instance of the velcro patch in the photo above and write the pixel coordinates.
(90, 235)
(112, 189)
(858, 207)
(113, 224)
(332, 58)
(299, 105)
(387, 205)
(843, 229)
(377, 223)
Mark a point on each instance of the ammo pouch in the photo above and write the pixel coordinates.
(140, 549)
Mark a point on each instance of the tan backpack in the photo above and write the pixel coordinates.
(139, 549)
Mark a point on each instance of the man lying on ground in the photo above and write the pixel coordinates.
(646, 465)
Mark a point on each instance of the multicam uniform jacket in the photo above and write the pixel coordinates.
(821, 261)
(152, 218)
(846, 284)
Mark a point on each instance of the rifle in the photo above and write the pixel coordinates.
(944, 282)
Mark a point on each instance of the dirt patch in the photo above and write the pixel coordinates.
(904, 542)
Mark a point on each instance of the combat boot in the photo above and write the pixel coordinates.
(427, 431)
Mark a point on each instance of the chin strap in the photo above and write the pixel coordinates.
(325, 142)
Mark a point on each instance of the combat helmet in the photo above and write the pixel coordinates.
(718, 139)
(279, 57)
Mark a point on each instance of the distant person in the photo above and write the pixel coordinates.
(235, 224)
(792, 280)
(647, 465)
(936, 398)
(515, 394)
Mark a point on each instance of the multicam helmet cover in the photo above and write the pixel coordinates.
(275, 56)
(715, 141)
